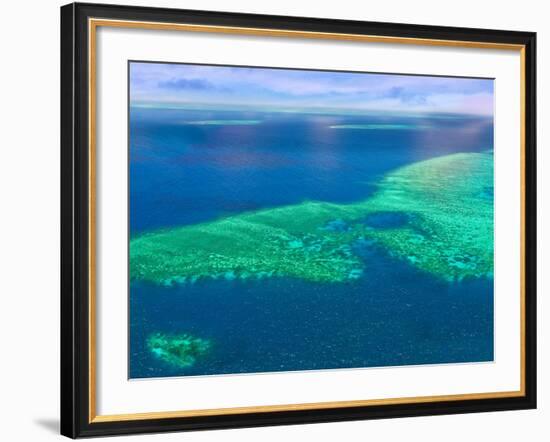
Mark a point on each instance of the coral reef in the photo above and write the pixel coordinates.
(380, 126)
(450, 231)
(436, 214)
(223, 122)
(177, 350)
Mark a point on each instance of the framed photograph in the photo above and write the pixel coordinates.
(276, 220)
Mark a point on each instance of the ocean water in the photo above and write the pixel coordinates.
(199, 166)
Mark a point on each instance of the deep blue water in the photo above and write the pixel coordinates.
(394, 314)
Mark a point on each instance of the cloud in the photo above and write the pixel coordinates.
(184, 83)
(210, 84)
(406, 95)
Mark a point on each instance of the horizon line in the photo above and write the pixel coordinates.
(269, 107)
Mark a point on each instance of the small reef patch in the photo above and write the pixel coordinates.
(223, 122)
(177, 350)
(379, 126)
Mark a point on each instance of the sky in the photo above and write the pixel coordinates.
(157, 83)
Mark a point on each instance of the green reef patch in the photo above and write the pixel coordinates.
(450, 230)
(223, 122)
(178, 350)
(379, 126)
(435, 214)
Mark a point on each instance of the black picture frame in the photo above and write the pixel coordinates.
(75, 221)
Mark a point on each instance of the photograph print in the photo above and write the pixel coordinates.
(290, 219)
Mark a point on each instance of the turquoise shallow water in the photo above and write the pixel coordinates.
(394, 313)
